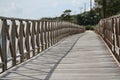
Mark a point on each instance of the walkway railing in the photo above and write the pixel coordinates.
(109, 29)
(21, 39)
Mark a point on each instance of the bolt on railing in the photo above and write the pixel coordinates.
(21, 39)
(109, 29)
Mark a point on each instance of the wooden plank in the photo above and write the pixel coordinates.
(89, 59)
(78, 57)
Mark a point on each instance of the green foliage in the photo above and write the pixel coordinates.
(50, 18)
(88, 18)
(112, 7)
(66, 16)
(89, 27)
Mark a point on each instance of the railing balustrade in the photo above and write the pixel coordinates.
(109, 29)
(21, 39)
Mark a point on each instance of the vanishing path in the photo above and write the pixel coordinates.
(78, 57)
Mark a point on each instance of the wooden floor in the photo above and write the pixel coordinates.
(79, 57)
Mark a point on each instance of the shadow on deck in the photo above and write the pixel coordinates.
(78, 57)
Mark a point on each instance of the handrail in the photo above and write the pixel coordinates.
(109, 29)
(22, 39)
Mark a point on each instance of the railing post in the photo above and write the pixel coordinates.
(60, 29)
(33, 37)
(48, 35)
(45, 34)
(4, 44)
(55, 32)
(20, 41)
(116, 39)
(113, 35)
(57, 28)
(41, 36)
(119, 38)
(27, 40)
(38, 37)
(52, 33)
(13, 42)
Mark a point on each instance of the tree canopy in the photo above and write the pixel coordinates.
(109, 7)
(102, 9)
(66, 15)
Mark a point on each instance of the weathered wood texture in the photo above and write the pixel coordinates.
(21, 39)
(78, 57)
(109, 29)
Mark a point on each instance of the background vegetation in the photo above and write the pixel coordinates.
(102, 9)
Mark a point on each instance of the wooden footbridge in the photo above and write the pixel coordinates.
(58, 50)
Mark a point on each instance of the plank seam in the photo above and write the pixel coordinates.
(109, 50)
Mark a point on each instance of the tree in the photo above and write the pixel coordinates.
(66, 16)
(88, 18)
(108, 7)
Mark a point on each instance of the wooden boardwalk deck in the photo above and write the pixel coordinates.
(78, 57)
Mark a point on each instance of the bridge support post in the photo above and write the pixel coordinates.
(4, 45)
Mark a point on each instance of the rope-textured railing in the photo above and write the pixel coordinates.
(109, 29)
(22, 39)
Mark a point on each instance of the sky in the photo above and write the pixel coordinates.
(36, 9)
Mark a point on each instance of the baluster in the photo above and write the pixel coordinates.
(33, 37)
(119, 37)
(20, 41)
(51, 32)
(45, 34)
(38, 37)
(27, 40)
(13, 42)
(4, 45)
(1, 56)
(63, 30)
(41, 36)
(60, 30)
(48, 29)
(54, 28)
(56, 32)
